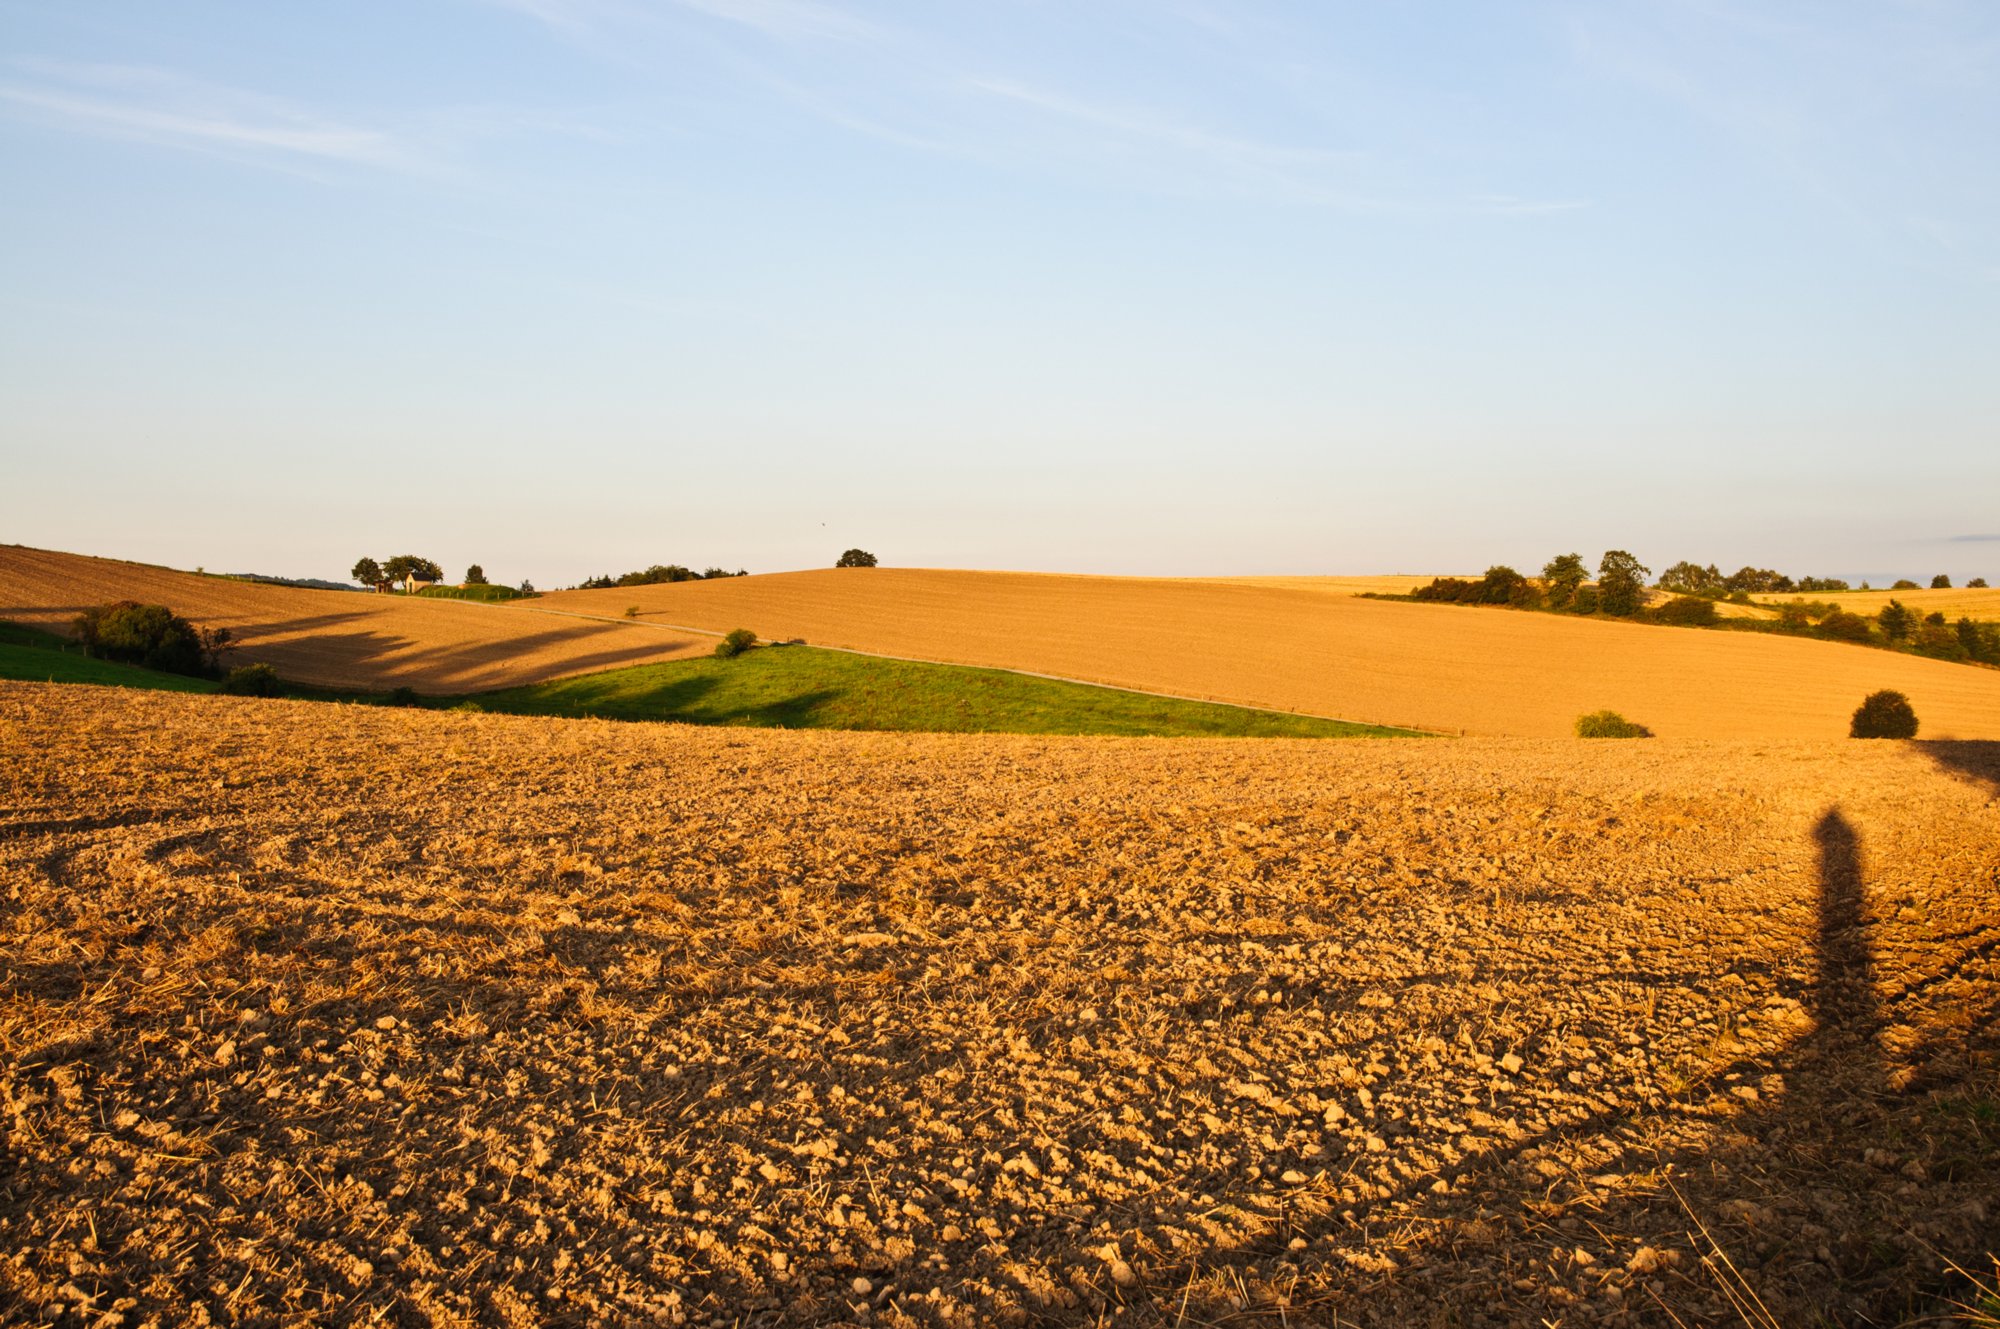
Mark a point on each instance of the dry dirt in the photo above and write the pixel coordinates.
(318, 1014)
(1444, 667)
(342, 639)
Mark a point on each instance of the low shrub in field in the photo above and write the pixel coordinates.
(1687, 611)
(405, 696)
(737, 642)
(256, 680)
(1884, 714)
(150, 635)
(1609, 724)
(1843, 626)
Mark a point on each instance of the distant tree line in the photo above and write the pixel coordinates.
(658, 574)
(1620, 592)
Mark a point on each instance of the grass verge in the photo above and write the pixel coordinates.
(42, 657)
(798, 687)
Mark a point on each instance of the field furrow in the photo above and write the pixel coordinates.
(348, 1015)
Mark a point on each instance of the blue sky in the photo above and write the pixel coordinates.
(1146, 286)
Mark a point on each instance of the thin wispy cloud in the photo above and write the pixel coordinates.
(1974, 539)
(1507, 205)
(158, 106)
(785, 19)
(1159, 127)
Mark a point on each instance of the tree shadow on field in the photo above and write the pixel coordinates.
(308, 650)
(1977, 760)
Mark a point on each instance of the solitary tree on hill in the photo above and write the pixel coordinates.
(1940, 582)
(856, 558)
(475, 575)
(369, 573)
(1621, 583)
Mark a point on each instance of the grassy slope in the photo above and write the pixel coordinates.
(797, 687)
(42, 657)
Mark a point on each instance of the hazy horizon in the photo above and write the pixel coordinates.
(569, 287)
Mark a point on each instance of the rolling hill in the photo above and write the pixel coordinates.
(340, 639)
(1320, 650)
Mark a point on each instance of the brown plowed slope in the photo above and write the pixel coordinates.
(345, 1016)
(1446, 667)
(341, 639)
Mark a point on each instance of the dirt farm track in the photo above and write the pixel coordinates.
(338, 1015)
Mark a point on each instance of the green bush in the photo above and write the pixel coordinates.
(1621, 583)
(1584, 601)
(733, 645)
(150, 635)
(483, 592)
(1976, 584)
(1843, 626)
(1940, 582)
(1609, 724)
(1896, 621)
(1901, 584)
(856, 558)
(1687, 611)
(1939, 642)
(255, 680)
(1884, 714)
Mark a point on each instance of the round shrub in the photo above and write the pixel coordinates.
(150, 635)
(856, 558)
(1884, 714)
(1843, 626)
(737, 642)
(256, 680)
(1609, 724)
(1687, 611)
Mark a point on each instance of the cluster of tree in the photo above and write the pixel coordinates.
(403, 570)
(657, 575)
(153, 636)
(1896, 626)
(1620, 588)
(1931, 635)
(1686, 578)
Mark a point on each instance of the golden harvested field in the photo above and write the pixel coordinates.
(341, 639)
(354, 1016)
(1981, 603)
(1382, 585)
(1444, 667)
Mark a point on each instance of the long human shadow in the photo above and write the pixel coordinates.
(1829, 1199)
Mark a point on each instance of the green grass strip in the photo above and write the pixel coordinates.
(798, 687)
(42, 657)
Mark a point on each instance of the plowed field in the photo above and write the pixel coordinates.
(1444, 667)
(346, 1015)
(340, 639)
